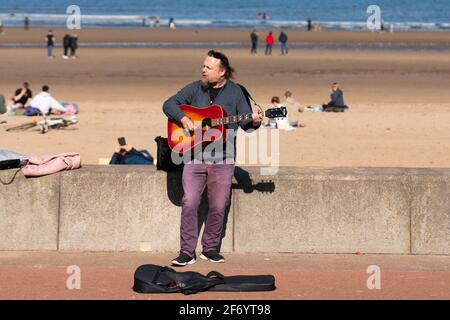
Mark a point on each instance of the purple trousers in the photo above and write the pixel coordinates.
(217, 177)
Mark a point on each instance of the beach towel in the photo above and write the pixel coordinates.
(72, 108)
(48, 164)
(315, 108)
(336, 109)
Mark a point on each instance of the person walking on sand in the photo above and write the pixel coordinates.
(157, 22)
(172, 24)
(50, 38)
(269, 43)
(282, 39)
(1, 27)
(309, 24)
(254, 38)
(73, 45)
(26, 23)
(66, 45)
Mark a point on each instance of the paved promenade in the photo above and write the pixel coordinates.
(44, 275)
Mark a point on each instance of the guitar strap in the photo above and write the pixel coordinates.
(249, 97)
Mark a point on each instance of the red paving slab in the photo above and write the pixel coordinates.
(110, 276)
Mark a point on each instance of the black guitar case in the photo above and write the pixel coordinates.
(151, 278)
(243, 283)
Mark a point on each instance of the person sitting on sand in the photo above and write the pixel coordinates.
(293, 109)
(22, 98)
(2, 104)
(274, 103)
(337, 100)
(46, 104)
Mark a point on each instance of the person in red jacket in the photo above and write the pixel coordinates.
(269, 43)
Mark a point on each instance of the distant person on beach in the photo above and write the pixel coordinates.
(293, 109)
(282, 39)
(66, 45)
(50, 38)
(22, 98)
(336, 103)
(73, 45)
(269, 43)
(26, 23)
(46, 104)
(172, 24)
(157, 22)
(263, 16)
(254, 38)
(1, 27)
(309, 24)
(2, 104)
(211, 169)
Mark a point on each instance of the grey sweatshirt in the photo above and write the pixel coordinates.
(230, 98)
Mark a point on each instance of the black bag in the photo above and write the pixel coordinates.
(156, 279)
(151, 278)
(164, 156)
(9, 164)
(11, 159)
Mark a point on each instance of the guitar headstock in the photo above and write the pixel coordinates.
(280, 112)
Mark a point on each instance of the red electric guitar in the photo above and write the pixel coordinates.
(210, 125)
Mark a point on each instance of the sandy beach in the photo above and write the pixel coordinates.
(400, 100)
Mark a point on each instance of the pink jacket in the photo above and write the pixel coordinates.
(44, 165)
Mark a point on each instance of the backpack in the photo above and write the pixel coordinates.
(164, 156)
(151, 278)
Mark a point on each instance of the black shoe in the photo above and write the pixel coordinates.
(212, 256)
(183, 259)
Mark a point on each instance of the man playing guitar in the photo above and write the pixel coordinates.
(213, 168)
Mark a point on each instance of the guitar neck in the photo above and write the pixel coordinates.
(231, 119)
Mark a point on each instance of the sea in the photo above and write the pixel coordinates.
(401, 15)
